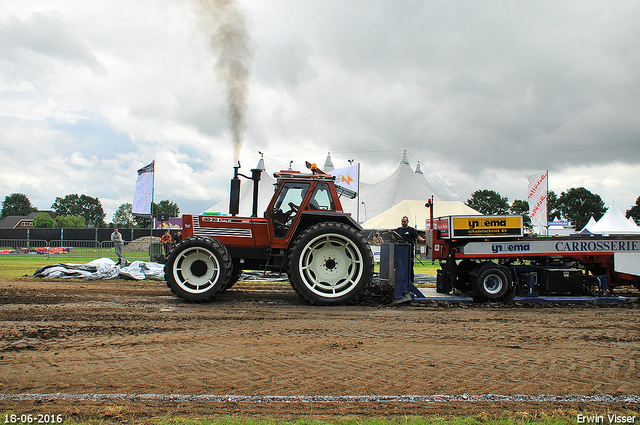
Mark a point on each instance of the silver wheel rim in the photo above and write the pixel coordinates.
(331, 265)
(196, 270)
(492, 283)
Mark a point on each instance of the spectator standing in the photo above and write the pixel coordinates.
(118, 243)
(166, 242)
(409, 235)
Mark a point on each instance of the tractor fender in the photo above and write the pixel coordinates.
(311, 218)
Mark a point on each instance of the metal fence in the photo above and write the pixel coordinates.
(101, 234)
(82, 249)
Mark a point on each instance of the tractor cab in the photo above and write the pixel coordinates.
(299, 193)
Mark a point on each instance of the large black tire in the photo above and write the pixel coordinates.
(330, 264)
(235, 275)
(198, 268)
(491, 283)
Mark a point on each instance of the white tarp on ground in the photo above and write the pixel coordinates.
(418, 214)
(103, 268)
(613, 222)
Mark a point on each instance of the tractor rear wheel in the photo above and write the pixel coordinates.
(198, 268)
(330, 264)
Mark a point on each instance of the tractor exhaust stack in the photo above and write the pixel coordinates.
(234, 198)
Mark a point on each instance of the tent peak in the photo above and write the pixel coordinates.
(328, 165)
(260, 165)
(404, 158)
(418, 170)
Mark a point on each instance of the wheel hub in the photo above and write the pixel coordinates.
(330, 263)
(199, 268)
(492, 284)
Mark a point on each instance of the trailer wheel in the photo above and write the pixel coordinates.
(492, 283)
(330, 264)
(198, 268)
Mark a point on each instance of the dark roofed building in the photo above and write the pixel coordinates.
(19, 222)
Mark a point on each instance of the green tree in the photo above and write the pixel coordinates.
(167, 207)
(164, 207)
(16, 204)
(488, 202)
(142, 222)
(553, 210)
(83, 205)
(579, 204)
(634, 211)
(43, 220)
(70, 222)
(520, 207)
(123, 216)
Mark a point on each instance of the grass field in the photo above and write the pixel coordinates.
(426, 268)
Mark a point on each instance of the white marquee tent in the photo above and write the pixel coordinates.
(589, 224)
(613, 222)
(403, 184)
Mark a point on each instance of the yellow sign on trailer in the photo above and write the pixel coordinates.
(486, 226)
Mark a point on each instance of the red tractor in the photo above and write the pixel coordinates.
(304, 233)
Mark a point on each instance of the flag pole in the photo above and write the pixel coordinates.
(153, 188)
(546, 200)
(358, 218)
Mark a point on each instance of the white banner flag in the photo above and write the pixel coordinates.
(143, 196)
(346, 177)
(538, 198)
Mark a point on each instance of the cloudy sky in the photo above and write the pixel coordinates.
(481, 93)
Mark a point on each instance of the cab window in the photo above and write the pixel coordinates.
(321, 199)
(286, 207)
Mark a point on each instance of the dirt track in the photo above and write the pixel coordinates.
(79, 337)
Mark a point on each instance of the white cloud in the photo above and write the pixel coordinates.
(481, 93)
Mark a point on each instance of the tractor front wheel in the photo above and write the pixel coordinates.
(198, 268)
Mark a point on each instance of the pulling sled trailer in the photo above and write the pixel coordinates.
(490, 258)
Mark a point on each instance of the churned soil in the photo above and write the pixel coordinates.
(69, 347)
